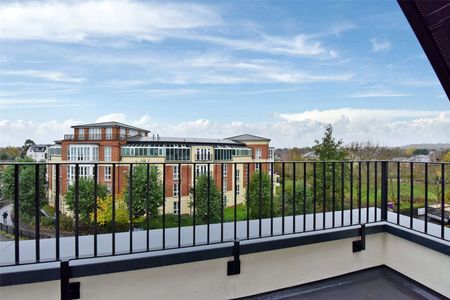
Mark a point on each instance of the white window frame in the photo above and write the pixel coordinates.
(257, 167)
(176, 207)
(225, 186)
(107, 153)
(108, 133)
(176, 189)
(176, 172)
(258, 153)
(225, 171)
(107, 173)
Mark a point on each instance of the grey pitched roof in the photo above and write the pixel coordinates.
(182, 140)
(39, 147)
(248, 138)
(110, 124)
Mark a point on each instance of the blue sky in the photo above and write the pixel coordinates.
(282, 69)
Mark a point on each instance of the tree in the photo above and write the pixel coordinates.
(86, 197)
(27, 189)
(254, 192)
(446, 157)
(139, 192)
(201, 200)
(10, 153)
(299, 198)
(104, 212)
(27, 145)
(328, 150)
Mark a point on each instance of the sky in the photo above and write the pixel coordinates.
(278, 69)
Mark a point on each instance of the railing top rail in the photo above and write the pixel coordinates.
(213, 162)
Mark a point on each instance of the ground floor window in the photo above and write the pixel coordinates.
(176, 208)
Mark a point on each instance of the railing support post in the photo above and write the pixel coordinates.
(360, 245)
(384, 190)
(69, 290)
(234, 266)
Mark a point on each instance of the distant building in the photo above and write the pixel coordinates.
(38, 152)
(120, 144)
(311, 156)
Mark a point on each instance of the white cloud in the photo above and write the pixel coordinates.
(386, 127)
(374, 93)
(117, 22)
(38, 103)
(119, 117)
(380, 45)
(47, 75)
(79, 21)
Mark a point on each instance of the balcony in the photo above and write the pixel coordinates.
(203, 158)
(326, 219)
(94, 137)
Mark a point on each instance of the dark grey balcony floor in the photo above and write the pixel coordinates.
(378, 283)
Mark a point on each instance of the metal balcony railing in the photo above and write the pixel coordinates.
(310, 196)
(94, 137)
(206, 157)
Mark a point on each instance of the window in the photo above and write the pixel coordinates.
(176, 208)
(176, 189)
(203, 154)
(271, 153)
(108, 133)
(107, 153)
(123, 132)
(81, 133)
(269, 168)
(201, 170)
(95, 133)
(225, 186)
(257, 167)
(238, 186)
(176, 172)
(258, 154)
(225, 170)
(82, 152)
(238, 175)
(132, 132)
(238, 189)
(107, 173)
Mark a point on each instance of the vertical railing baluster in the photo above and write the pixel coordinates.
(180, 190)
(293, 196)
(359, 191)
(351, 193)
(324, 191)
(376, 190)
(314, 194)
(384, 190)
(147, 207)
(411, 195)
(442, 199)
(260, 199)
(164, 208)
(130, 209)
(235, 201)
(16, 214)
(209, 205)
(221, 202)
(333, 193)
(367, 190)
(95, 208)
(77, 210)
(342, 191)
(283, 196)
(426, 197)
(248, 199)
(57, 213)
(194, 167)
(37, 212)
(304, 196)
(113, 211)
(271, 198)
(398, 192)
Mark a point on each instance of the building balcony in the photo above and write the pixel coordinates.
(326, 221)
(94, 137)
